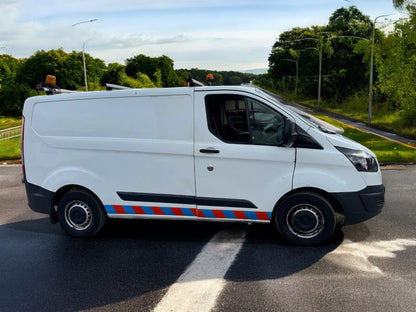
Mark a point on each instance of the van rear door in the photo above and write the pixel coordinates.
(241, 165)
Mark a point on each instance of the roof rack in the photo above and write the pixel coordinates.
(194, 83)
(111, 86)
(50, 90)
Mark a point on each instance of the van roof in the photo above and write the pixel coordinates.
(136, 92)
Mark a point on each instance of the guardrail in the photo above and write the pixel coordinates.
(10, 133)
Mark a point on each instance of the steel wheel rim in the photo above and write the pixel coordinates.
(78, 215)
(305, 221)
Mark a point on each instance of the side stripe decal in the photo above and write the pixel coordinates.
(147, 210)
(188, 212)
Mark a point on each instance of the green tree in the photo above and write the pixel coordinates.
(348, 27)
(12, 96)
(403, 4)
(299, 45)
(114, 73)
(396, 68)
(68, 69)
(8, 66)
(12, 93)
(34, 69)
(70, 74)
(150, 66)
(343, 70)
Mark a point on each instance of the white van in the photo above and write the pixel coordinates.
(220, 153)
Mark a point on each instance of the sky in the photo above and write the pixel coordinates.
(216, 34)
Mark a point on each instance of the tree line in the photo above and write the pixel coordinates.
(339, 54)
(19, 77)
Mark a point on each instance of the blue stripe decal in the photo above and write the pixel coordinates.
(207, 213)
(148, 210)
(167, 211)
(251, 215)
(128, 209)
(187, 212)
(109, 209)
(229, 214)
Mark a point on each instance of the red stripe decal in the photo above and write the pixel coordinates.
(240, 214)
(218, 214)
(138, 210)
(158, 211)
(177, 211)
(194, 211)
(262, 215)
(119, 209)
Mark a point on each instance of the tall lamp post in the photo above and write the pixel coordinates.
(319, 48)
(83, 51)
(297, 72)
(370, 91)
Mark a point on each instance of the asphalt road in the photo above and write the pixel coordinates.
(132, 265)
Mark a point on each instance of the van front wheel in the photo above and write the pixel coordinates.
(80, 214)
(305, 219)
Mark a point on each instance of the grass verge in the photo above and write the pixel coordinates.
(10, 149)
(8, 122)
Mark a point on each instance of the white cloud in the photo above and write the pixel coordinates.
(216, 34)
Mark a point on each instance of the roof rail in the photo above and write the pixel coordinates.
(111, 86)
(50, 90)
(194, 83)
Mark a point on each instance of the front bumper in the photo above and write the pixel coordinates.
(362, 205)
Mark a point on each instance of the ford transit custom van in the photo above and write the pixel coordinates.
(221, 153)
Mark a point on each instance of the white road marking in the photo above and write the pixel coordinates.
(355, 255)
(199, 286)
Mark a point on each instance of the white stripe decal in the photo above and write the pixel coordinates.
(199, 286)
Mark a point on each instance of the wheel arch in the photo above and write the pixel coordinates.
(336, 205)
(65, 190)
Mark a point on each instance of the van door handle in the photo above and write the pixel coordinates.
(209, 151)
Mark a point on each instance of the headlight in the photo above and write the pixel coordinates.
(361, 160)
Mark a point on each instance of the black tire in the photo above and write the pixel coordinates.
(81, 214)
(306, 219)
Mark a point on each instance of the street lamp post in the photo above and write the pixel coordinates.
(85, 66)
(370, 91)
(320, 72)
(320, 48)
(83, 51)
(297, 73)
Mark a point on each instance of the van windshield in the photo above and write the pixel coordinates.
(307, 118)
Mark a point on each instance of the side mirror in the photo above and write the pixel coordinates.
(289, 133)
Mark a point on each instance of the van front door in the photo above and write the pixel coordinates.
(242, 167)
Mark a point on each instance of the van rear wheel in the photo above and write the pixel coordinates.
(305, 218)
(81, 214)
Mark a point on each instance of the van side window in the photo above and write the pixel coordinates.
(242, 120)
